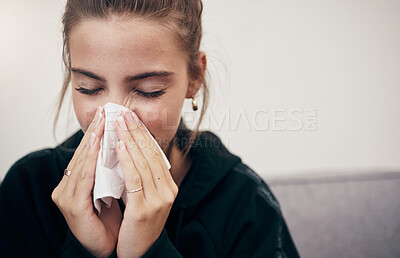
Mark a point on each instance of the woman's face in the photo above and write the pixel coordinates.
(131, 63)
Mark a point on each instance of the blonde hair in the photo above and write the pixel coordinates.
(181, 18)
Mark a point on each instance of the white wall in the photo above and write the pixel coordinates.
(268, 60)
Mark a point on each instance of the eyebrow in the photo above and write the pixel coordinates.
(127, 79)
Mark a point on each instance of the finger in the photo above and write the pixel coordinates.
(98, 131)
(97, 125)
(132, 177)
(97, 122)
(146, 145)
(72, 179)
(76, 164)
(137, 158)
(86, 178)
(152, 154)
(150, 150)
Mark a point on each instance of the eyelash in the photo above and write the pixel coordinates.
(144, 94)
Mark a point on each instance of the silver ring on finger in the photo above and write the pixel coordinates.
(67, 172)
(135, 190)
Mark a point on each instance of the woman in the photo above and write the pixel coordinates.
(143, 55)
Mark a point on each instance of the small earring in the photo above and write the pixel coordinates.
(194, 104)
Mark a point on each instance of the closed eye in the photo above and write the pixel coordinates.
(87, 91)
(149, 95)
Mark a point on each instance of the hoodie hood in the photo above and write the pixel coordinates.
(212, 162)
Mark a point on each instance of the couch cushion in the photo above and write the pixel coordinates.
(347, 215)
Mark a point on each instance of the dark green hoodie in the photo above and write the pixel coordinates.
(223, 209)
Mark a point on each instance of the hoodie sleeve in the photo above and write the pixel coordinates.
(13, 223)
(163, 247)
(73, 248)
(27, 227)
(261, 230)
(279, 235)
(275, 239)
(263, 233)
(21, 232)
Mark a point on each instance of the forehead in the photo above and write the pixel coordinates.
(122, 43)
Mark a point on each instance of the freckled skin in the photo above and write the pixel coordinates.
(115, 49)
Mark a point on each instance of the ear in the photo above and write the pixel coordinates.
(195, 83)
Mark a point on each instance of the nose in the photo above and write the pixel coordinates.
(120, 98)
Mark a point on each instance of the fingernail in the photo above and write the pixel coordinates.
(121, 145)
(92, 139)
(136, 118)
(100, 115)
(128, 116)
(96, 114)
(121, 123)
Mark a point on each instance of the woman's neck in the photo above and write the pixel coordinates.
(179, 164)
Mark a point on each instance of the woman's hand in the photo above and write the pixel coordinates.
(98, 234)
(142, 164)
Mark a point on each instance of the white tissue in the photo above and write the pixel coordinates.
(109, 180)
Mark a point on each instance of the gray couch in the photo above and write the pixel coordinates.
(345, 215)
